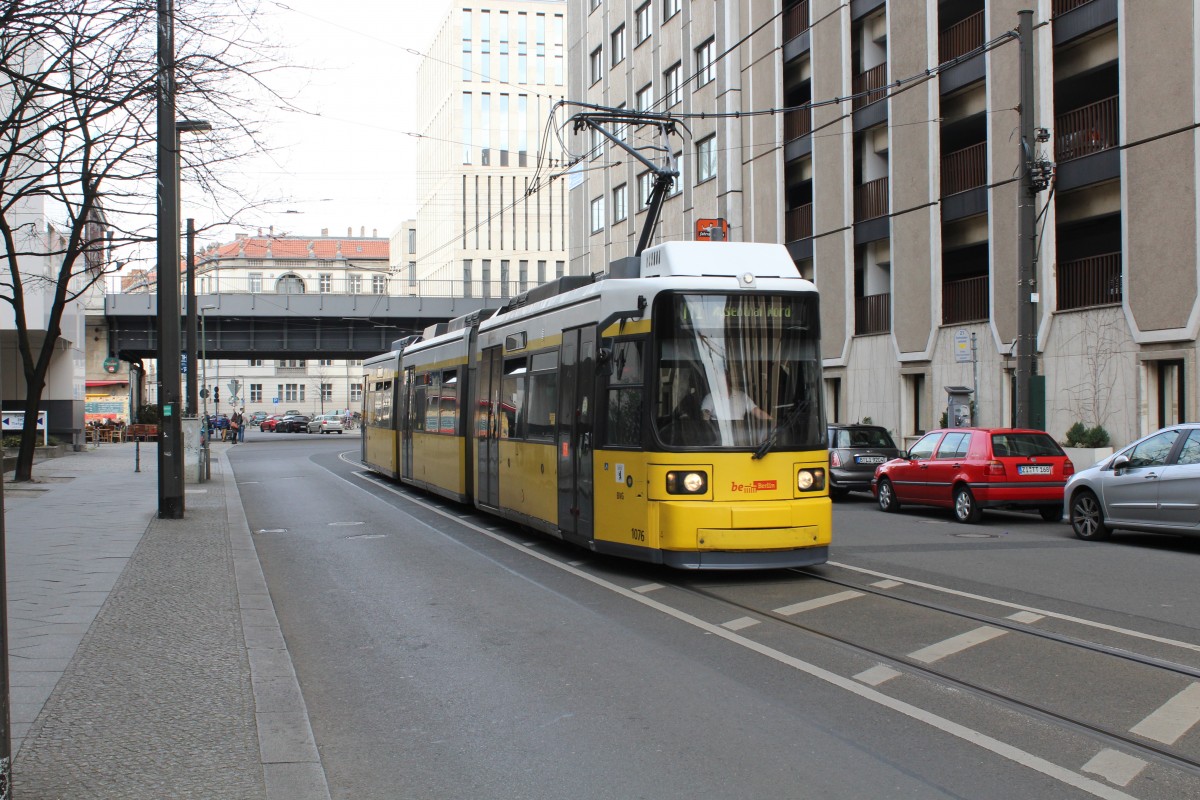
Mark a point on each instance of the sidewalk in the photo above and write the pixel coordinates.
(145, 658)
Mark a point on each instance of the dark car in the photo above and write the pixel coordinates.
(969, 469)
(292, 424)
(854, 453)
(1152, 485)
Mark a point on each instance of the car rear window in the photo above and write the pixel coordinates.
(863, 437)
(1019, 445)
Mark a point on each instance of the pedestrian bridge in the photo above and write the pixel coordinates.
(279, 326)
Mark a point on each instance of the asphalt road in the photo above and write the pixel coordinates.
(443, 654)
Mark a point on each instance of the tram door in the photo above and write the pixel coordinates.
(403, 419)
(487, 427)
(576, 407)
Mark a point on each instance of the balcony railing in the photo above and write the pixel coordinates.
(396, 286)
(964, 169)
(965, 300)
(795, 20)
(798, 224)
(1093, 281)
(1063, 6)
(871, 199)
(960, 38)
(1086, 130)
(797, 123)
(868, 86)
(873, 314)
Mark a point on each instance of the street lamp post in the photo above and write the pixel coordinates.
(189, 126)
(204, 394)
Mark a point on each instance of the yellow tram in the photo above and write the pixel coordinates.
(669, 411)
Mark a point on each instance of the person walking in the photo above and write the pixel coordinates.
(235, 426)
(241, 437)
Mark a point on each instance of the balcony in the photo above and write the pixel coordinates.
(869, 86)
(873, 314)
(797, 123)
(1087, 282)
(795, 20)
(1086, 130)
(1059, 7)
(964, 169)
(965, 300)
(798, 223)
(871, 199)
(961, 38)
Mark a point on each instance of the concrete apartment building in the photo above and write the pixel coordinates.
(490, 221)
(900, 200)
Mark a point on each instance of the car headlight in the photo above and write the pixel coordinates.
(687, 482)
(810, 480)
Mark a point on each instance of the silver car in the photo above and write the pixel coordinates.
(1152, 485)
(326, 423)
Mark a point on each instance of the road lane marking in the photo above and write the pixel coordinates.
(739, 623)
(1173, 718)
(888, 584)
(1006, 604)
(1115, 766)
(649, 587)
(820, 602)
(877, 675)
(971, 736)
(956, 644)
(1025, 616)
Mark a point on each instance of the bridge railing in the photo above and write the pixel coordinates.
(336, 285)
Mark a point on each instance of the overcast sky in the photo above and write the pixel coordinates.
(350, 162)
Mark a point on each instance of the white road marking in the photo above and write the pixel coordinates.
(1115, 766)
(739, 623)
(956, 644)
(888, 584)
(1025, 616)
(820, 602)
(877, 675)
(649, 587)
(1005, 604)
(969, 735)
(1173, 718)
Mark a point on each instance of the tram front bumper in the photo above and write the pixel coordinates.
(743, 526)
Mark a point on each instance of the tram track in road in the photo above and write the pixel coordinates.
(1121, 740)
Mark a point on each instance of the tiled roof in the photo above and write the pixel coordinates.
(296, 247)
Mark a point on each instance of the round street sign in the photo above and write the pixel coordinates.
(111, 365)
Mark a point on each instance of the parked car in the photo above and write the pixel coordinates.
(1151, 485)
(854, 453)
(326, 423)
(970, 469)
(257, 417)
(269, 423)
(295, 423)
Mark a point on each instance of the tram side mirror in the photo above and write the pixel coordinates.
(603, 360)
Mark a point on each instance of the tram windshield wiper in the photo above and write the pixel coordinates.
(769, 443)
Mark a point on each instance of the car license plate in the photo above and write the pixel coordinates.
(869, 459)
(1035, 469)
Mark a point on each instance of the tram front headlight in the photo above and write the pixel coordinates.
(810, 480)
(687, 482)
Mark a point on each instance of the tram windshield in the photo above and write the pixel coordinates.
(739, 371)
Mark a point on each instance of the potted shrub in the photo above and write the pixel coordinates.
(1085, 446)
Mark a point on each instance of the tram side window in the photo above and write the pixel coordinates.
(625, 395)
(512, 399)
(448, 403)
(543, 397)
(418, 402)
(432, 404)
(383, 404)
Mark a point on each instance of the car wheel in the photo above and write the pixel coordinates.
(887, 496)
(1087, 518)
(1051, 513)
(965, 509)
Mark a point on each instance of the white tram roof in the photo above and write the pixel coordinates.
(717, 259)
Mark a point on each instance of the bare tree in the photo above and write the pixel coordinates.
(78, 147)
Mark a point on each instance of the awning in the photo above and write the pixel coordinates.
(90, 384)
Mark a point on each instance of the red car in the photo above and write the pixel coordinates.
(268, 424)
(970, 469)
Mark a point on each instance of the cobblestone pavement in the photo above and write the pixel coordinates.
(145, 659)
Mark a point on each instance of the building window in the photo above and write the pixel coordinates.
(325, 362)
(705, 53)
(560, 268)
(412, 241)
(670, 9)
(356, 392)
(641, 23)
(256, 282)
(256, 393)
(672, 91)
(597, 143)
(355, 283)
(292, 392)
(618, 45)
(677, 184)
(467, 127)
(706, 159)
(597, 64)
(412, 273)
(645, 97)
(597, 214)
(466, 277)
(523, 275)
(620, 203)
(254, 362)
(378, 284)
(645, 186)
(325, 283)
(326, 391)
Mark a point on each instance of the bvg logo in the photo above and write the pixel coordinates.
(751, 488)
